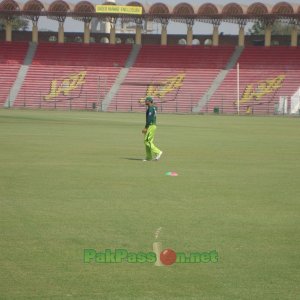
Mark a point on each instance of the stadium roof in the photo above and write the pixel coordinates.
(156, 10)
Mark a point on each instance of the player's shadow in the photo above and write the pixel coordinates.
(132, 158)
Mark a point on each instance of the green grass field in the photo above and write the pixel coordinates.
(71, 181)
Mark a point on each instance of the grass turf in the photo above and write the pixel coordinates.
(71, 181)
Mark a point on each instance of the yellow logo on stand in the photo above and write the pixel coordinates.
(66, 86)
(159, 90)
(119, 9)
(262, 88)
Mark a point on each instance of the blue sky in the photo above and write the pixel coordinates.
(173, 28)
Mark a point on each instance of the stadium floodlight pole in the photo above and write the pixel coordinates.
(238, 87)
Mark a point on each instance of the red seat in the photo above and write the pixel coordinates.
(12, 55)
(257, 65)
(63, 62)
(156, 64)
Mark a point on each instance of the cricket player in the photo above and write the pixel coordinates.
(152, 152)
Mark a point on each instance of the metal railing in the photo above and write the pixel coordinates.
(222, 106)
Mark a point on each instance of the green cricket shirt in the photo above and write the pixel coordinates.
(151, 116)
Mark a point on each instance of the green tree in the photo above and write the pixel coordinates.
(20, 24)
(278, 28)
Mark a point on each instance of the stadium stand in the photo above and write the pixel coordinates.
(71, 76)
(177, 76)
(266, 74)
(78, 76)
(11, 58)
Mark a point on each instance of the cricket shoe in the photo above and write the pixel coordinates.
(158, 155)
